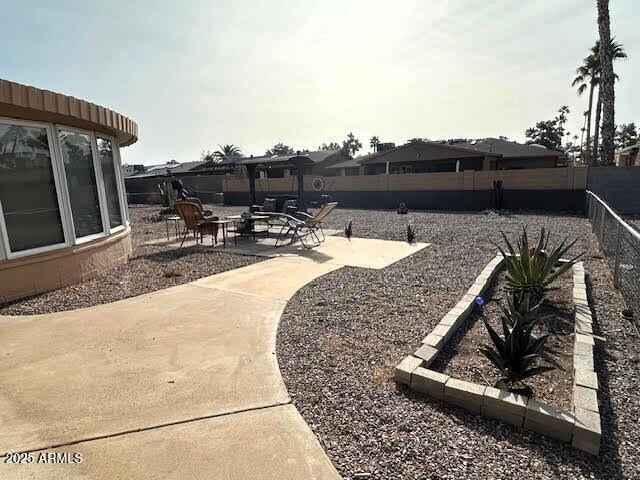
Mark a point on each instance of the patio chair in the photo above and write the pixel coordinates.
(305, 228)
(269, 205)
(195, 221)
(196, 200)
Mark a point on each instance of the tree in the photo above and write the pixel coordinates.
(549, 132)
(329, 146)
(586, 75)
(606, 83)
(279, 149)
(373, 143)
(561, 119)
(227, 153)
(351, 145)
(626, 135)
(617, 52)
(208, 156)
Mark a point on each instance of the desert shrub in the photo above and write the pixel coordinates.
(531, 269)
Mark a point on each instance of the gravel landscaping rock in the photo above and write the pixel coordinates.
(150, 268)
(342, 335)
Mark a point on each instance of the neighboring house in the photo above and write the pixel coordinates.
(129, 170)
(349, 167)
(165, 169)
(219, 167)
(422, 156)
(278, 167)
(628, 156)
(514, 155)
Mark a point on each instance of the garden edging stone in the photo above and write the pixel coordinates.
(581, 426)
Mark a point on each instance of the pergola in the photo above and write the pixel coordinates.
(297, 161)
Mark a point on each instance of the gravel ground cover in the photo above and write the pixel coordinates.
(461, 358)
(150, 268)
(341, 336)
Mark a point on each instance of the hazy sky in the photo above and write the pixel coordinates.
(194, 74)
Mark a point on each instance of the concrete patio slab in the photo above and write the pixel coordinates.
(232, 447)
(176, 354)
(354, 252)
(277, 278)
(178, 383)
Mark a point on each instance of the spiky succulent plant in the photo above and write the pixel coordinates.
(520, 307)
(532, 269)
(514, 355)
(348, 229)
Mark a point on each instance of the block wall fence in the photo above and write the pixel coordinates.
(541, 189)
(553, 189)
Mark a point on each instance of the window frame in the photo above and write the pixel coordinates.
(64, 220)
(104, 219)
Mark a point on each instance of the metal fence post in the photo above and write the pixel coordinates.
(602, 226)
(616, 261)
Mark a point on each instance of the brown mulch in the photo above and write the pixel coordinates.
(461, 358)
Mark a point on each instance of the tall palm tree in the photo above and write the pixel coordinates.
(617, 52)
(374, 142)
(586, 75)
(227, 153)
(606, 83)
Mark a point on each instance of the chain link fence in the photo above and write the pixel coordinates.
(621, 246)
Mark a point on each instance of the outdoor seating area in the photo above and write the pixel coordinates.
(285, 229)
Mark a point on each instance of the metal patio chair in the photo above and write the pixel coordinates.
(307, 227)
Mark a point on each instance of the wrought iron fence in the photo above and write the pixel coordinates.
(621, 246)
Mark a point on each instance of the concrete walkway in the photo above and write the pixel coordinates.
(179, 383)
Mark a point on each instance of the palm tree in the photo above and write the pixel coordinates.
(374, 143)
(586, 75)
(606, 83)
(227, 153)
(617, 52)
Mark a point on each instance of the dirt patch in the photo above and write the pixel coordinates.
(461, 358)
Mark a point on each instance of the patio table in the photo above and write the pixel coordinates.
(176, 223)
(223, 226)
(249, 228)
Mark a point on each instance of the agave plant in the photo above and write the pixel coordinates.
(522, 309)
(515, 355)
(348, 229)
(411, 234)
(532, 269)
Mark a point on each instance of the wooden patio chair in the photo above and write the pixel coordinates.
(197, 201)
(195, 221)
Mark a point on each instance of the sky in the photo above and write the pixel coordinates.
(196, 74)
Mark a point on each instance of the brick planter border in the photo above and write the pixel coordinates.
(580, 426)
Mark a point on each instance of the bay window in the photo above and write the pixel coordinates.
(59, 186)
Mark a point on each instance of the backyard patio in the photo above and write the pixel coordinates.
(341, 336)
